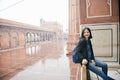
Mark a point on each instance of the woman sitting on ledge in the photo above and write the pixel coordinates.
(86, 55)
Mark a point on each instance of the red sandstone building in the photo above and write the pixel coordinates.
(102, 16)
(20, 43)
(14, 34)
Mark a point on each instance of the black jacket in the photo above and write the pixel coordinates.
(82, 49)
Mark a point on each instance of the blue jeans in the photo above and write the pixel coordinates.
(102, 73)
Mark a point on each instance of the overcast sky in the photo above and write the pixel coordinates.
(31, 11)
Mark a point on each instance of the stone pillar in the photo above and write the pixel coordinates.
(74, 22)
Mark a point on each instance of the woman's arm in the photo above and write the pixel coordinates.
(80, 50)
(93, 58)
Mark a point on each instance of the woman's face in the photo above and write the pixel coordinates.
(86, 34)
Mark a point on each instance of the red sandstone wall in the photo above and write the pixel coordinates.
(99, 11)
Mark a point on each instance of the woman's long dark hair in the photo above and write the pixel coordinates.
(82, 35)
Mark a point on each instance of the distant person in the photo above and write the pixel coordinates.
(86, 55)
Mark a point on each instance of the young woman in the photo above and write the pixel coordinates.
(86, 55)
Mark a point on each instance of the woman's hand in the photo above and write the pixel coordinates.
(84, 61)
(93, 62)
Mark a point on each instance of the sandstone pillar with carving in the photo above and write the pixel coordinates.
(74, 22)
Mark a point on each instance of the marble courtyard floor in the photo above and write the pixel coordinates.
(43, 61)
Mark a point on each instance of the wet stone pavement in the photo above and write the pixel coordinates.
(42, 61)
(45, 61)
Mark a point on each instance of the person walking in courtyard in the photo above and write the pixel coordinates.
(86, 55)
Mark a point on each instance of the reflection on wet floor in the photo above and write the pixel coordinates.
(46, 61)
